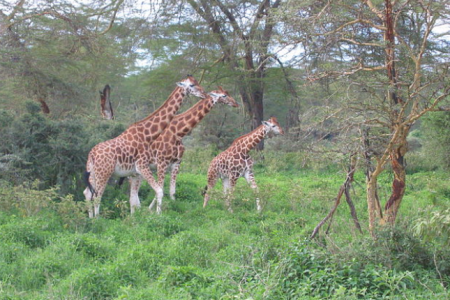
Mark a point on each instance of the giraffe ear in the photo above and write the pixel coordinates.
(265, 123)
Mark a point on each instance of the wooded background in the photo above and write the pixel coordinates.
(347, 79)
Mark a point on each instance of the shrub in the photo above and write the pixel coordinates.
(93, 282)
(175, 276)
(163, 225)
(306, 272)
(99, 249)
(435, 227)
(29, 201)
(31, 232)
(35, 147)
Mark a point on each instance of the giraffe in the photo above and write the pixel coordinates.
(235, 161)
(118, 156)
(167, 150)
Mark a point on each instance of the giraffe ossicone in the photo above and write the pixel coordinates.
(236, 162)
(119, 155)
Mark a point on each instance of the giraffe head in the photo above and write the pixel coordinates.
(222, 96)
(191, 86)
(273, 127)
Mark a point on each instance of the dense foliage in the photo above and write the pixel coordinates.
(51, 250)
(354, 84)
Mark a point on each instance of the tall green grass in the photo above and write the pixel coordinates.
(49, 249)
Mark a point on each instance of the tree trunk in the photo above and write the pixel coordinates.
(373, 203)
(398, 185)
(258, 113)
(399, 149)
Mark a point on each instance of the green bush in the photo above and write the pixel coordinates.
(90, 282)
(50, 250)
(308, 273)
(435, 138)
(32, 232)
(435, 227)
(99, 249)
(35, 147)
(29, 201)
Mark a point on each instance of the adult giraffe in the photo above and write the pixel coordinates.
(235, 161)
(119, 155)
(168, 148)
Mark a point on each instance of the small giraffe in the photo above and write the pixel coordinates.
(167, 150)
(119, 155)
(236, 162)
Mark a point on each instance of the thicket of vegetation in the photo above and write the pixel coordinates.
(51, 250)
(360, 87)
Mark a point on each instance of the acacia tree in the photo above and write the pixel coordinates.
(397, 66)
(243, 31)
(233, 36)
(54, 50)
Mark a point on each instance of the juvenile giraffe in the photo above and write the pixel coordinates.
(167, 150)
(235, 161)
(119, 155)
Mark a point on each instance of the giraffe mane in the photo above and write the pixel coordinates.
(272, 119)
(191, 109)
(158, 109)
(246, 135)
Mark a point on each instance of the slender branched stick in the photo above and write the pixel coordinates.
(343, 190)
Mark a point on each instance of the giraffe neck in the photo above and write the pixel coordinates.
(247, 142)
(183, 123)
(168, 109)
(156, 122)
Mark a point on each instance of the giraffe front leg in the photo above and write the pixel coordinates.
(144, 170)
(135, 183)
(157, 200)
(162, 167)
(212, 179)
(228, 188)
(251, 181)
(173, 179)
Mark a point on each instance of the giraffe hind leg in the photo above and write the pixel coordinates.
(251, 181)
(173, 180)
(93, 192)
(89, 193)
(212, 179)
(88, 184)
(228, 187)
(135, 183)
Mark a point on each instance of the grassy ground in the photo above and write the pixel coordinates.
(49, 249)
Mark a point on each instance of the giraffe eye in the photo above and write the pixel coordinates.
(192, 85)
(224, 96)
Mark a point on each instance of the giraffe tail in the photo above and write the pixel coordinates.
(88, 184)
